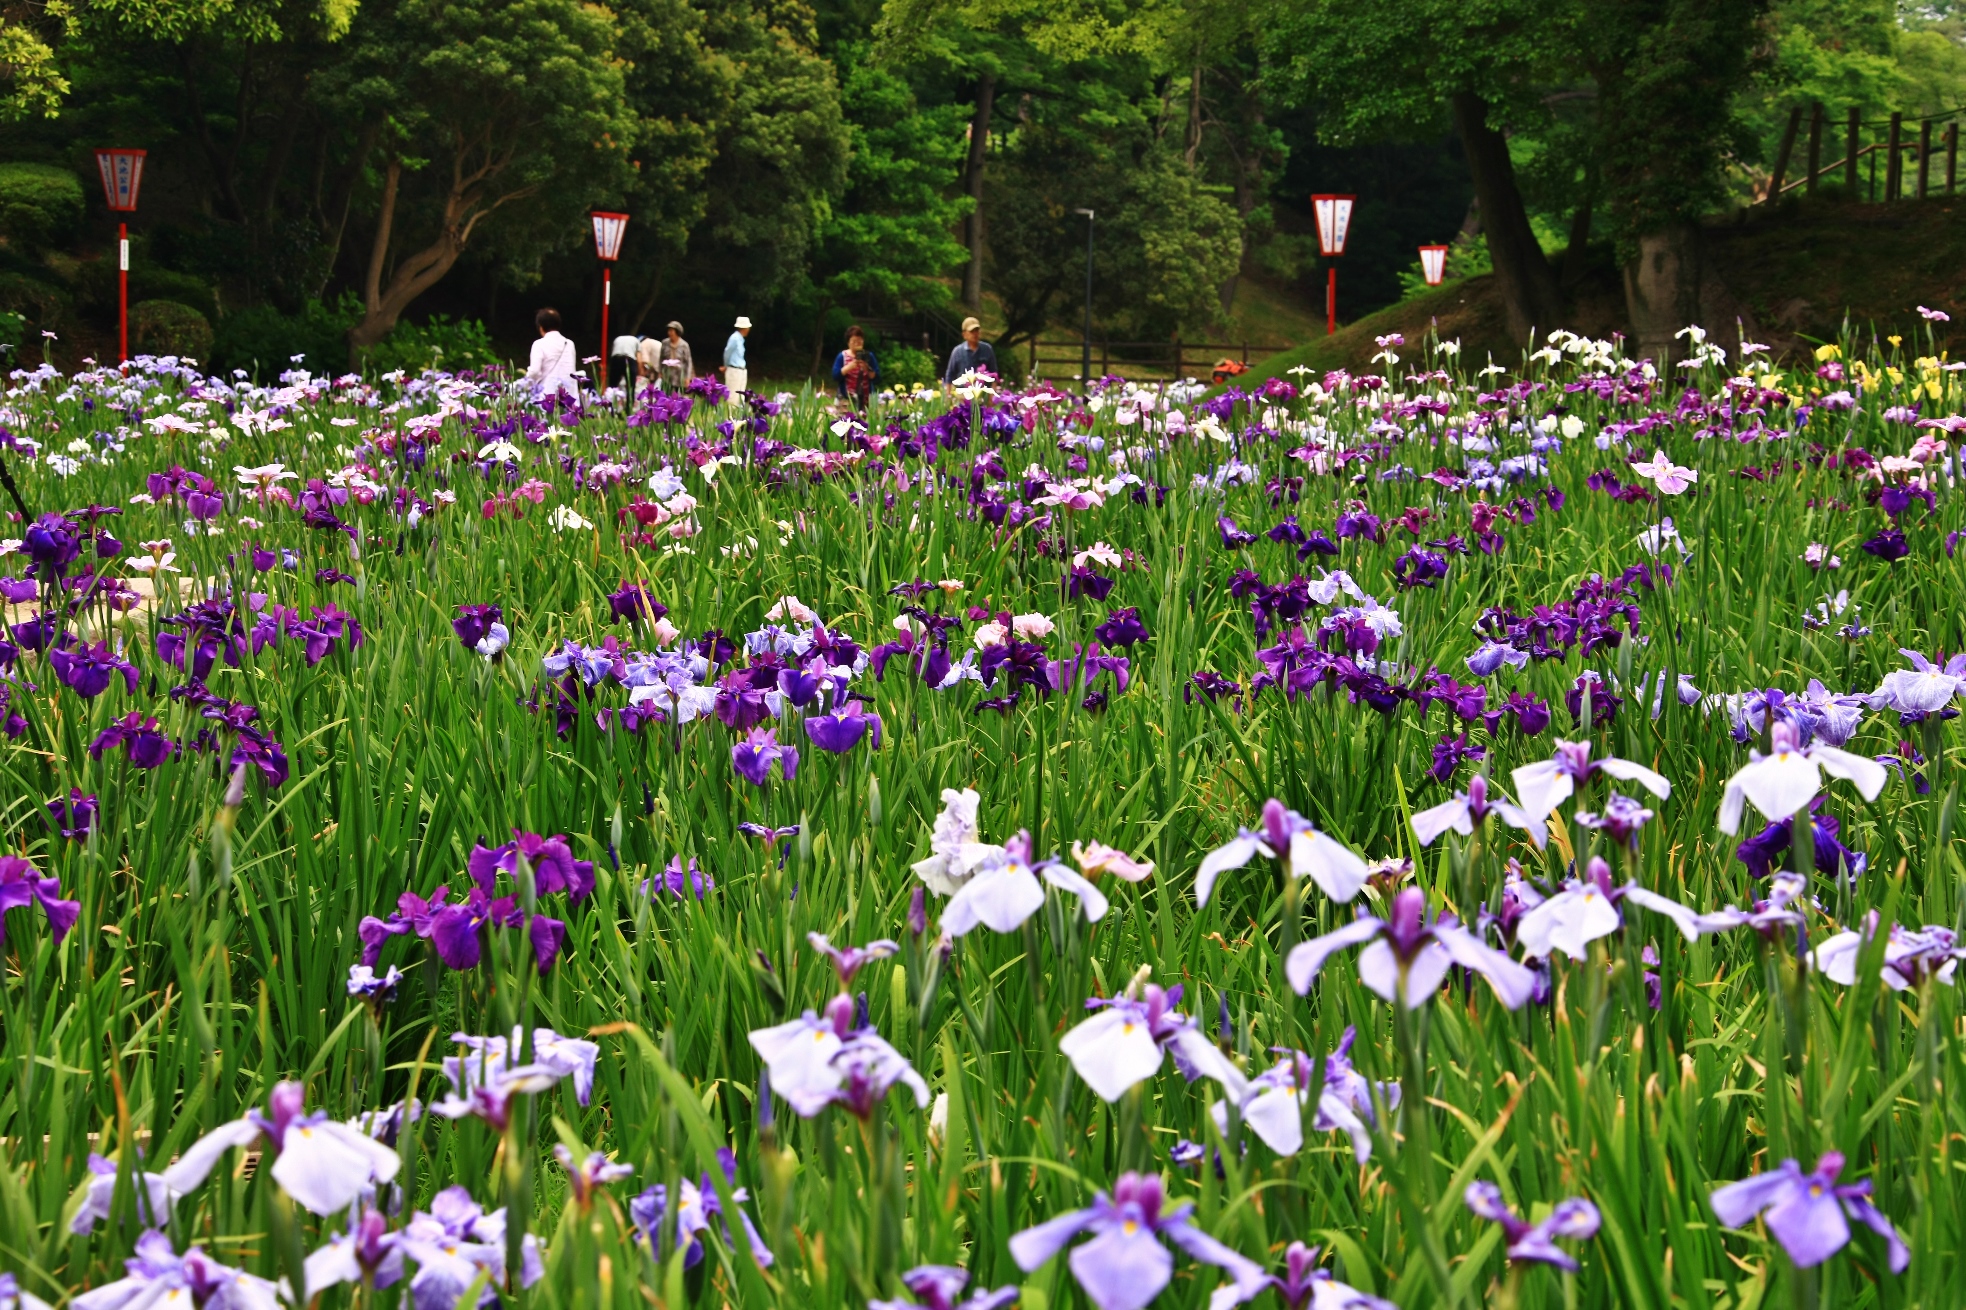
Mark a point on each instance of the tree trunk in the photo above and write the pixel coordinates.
(1528, 284)
(412, 276)
(979, 146)
(1662, 290)
(1194, 116)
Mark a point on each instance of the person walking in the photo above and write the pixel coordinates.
(736, 376)
(555, 365)
(623, 352)
(974, 353)
(673, 359)
(856, 369)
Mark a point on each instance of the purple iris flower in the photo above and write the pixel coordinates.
(586, 1178)
(754, 756)
(1303, 1285)
(1450, 753)
(1575, 1218)
(75, 816)
(89, 670)
(323, 1165)
(1592, 906)
(1493, 655)
(802, 686)
(1122, 628)
(22, 885)
(1125, 1043)
(1912, 956)
(138, 735)
(18, 591)
(1604, 705)
(678, 881)
(1406, 957)
(1290, 838)
(938, 1286)
(1809, 1214)
(1084, 580)
(485, 1085)
(633, 602)
(1419, 568)
(53, 542)
(817, 1061)
(1889, 545)
(1927, 687)
(1233, 537)
(158, 1275)
(1545, 785)
(1621, 820)
(1763, 851)
(853, 959)
(474, 623)
(1360, 523)
(553, 867)
(1531, 714)
(696, 1205)
(153, 1199)
(837, 731)
(769, 836)
(1125, 1265)
(457, 930)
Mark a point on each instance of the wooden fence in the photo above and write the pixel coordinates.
(1141, 360)
(1896, 144)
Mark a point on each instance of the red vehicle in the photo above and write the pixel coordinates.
(1229, 368)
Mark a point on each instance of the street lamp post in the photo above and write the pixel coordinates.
(1334, 224)
(608, 231)
(1433, 264)
(122, 175)
(1085, 348)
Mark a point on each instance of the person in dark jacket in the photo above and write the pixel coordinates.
(972, 354)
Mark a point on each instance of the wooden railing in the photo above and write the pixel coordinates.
(1141, 360)
(1893, 149)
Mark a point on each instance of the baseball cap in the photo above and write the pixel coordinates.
(969, 323)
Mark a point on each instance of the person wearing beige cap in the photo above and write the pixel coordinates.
(672, 362)
(972, 354)
(736, 376)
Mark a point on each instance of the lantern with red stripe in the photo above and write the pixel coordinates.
(609, 228)
(1433, 264)
(1334, 224)
(122, 176)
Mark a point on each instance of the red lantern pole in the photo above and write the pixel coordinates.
(122, 292)
(122, 176)
(1334, 224)
(608, 230)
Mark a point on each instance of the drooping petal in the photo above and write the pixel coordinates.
(1866, 773)
(1541, 787)
(1878, 1222)
(1333, 866)
(1779, 785)
(1000, 899)
(1121, 1269)
(1836, 957)
(1809, 1224)
(1201, 1058)
(1429, 824)
(1112, 1051)
(1033, 1247)
(326, 1166)
(1220, 860)
(1692, 924)
(1249, 1275)
(1090, 897)
(1627, 771)
(1513, 984)
(1736, 1203)
(1276, 1116)
(198, 1159)
(1307, 958)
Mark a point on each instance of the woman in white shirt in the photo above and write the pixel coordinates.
(555, 363)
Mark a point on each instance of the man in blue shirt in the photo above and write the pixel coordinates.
(736, 376)
(972, 354)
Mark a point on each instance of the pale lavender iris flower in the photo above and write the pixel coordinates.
(1002, 889)
(1591, 907)
(816, 1061)
(1911, 955)
(696, 1204)
(456, 1240)
(323, 1165)
(1125, 1265)
(158, 1276)
(367, 1250)
(852, 959)
(1924, 688)
(1126, 1041)
(1286, 835)
(1576, 1219)
(1809, 1214)
(1543, 786)
(1272, 1103)
(937, 1287)
(1406, 957)
(1784, 781)
(1471, 807)
(1302, 1285)
(151, 1204)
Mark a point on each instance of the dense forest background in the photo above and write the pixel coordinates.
(397, 180)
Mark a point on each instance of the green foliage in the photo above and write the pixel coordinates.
(164, 327)
(40, 206)
(903, 367)
(263, 340)
(440, 343)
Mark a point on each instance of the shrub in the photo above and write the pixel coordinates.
(165, 327)
(264, 341)
(443, 342)
(904, 366)
(40, 205)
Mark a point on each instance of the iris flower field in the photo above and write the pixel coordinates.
(1331, 845)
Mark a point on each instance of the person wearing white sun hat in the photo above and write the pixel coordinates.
(736, 376)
